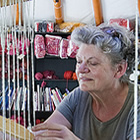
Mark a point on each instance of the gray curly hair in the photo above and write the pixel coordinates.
(114, 40)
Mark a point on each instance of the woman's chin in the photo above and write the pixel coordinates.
(84, 87)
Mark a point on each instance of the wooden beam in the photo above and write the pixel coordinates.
(13, 128)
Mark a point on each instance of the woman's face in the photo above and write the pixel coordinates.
(94, 70)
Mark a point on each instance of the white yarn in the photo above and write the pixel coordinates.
(136, 73)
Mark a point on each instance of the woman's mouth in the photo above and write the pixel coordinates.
(84, 79)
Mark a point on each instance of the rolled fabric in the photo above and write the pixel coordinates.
(39, 46)
(72, 49)
(63, 48)
(52, 43)
(127, 23)
(58, 11)
(97, 12)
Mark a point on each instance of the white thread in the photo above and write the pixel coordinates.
(14, 59)
(136, 76)
(24, 38)
(9, 82)
(93, 11)
(3, 70)
(32, 63)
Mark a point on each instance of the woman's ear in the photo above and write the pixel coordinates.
(121, 69)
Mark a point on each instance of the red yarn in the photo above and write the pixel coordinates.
(68, 74)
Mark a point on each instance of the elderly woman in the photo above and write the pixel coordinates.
(102, 107)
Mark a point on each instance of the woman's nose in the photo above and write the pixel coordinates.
(83, 68)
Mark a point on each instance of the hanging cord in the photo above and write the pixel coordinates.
(136, 73)
(21, 38)
(28, 6)
(93, 11)
(25, 31)
(14, 43)
(6, 34)
(5, 30)
(9, 72)
(20, 44)
(17, 37)
(3, 68)
(23, 84)
(32, 62)
(23, 74)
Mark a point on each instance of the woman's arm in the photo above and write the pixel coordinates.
(55, 127)
(58, 118)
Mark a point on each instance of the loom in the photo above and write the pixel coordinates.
(16, 33)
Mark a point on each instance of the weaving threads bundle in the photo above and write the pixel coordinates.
(15, 46)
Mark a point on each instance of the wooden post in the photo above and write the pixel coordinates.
(139, 6)
(18, 14)
(97, 12)
(58, 11)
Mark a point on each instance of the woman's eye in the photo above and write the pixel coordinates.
(93, 63)
(79, 62)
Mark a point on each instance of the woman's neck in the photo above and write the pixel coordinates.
(108, 104)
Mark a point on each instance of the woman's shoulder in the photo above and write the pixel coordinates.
(78, 93)
(133, 97)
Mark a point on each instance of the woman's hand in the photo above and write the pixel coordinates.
(53, 131)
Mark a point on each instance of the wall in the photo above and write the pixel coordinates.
(77, 10)
(82, 10)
